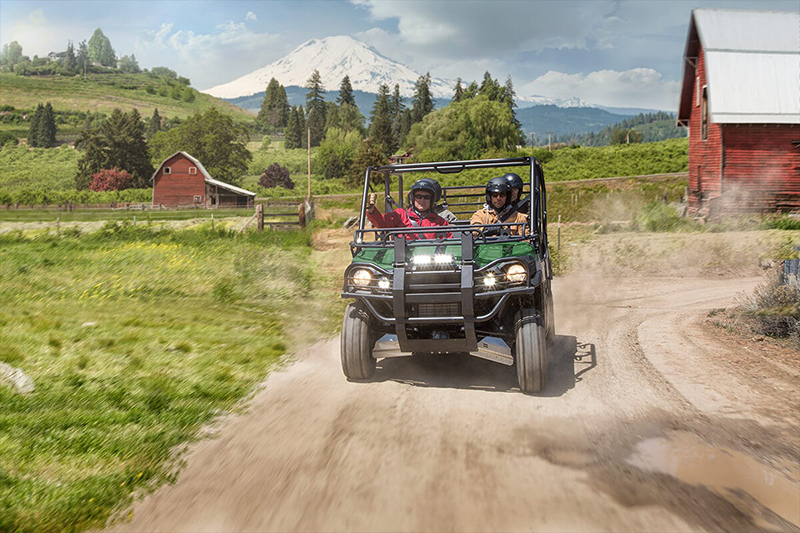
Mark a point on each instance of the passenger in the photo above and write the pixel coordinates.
(498, 198)
(422, 196)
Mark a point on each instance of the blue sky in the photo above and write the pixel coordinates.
(617, 53)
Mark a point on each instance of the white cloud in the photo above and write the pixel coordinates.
(37, 16)
(250, 16)
(638, 87)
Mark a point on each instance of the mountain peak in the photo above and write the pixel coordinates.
(334, 57)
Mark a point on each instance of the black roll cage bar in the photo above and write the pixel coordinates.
(537, 204)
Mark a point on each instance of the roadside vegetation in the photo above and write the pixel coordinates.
(134, 337)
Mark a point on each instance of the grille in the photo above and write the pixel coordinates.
(430, 310)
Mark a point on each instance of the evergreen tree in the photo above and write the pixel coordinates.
(34, 131)
(293, 132)
(316, 108)
(345, 117)
(380, 128)
(369, 154)
(471, 91)
(346, 93)
(154, 126)
(423, 100)
(459, 91)
(282, 111)
(396, 107)
(507, 94)
(489, 87)
(69, 58)
(274, 107)
(83, 57)
(47, 127)
(129, 64)
(101, 51)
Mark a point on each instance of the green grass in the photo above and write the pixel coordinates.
(104, 92)
(134, 338)
(21, 168)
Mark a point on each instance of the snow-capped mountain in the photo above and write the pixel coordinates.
(530, 101)
(334, 58)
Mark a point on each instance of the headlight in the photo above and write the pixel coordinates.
(489, 280)
(384, 283)
(421, 259)
(516, 273)
(362, 277)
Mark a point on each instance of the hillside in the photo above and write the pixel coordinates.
(564, 120)
(103, 92)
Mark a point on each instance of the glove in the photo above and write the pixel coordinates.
(371, 201)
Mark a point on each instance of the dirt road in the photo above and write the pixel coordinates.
(651, 421)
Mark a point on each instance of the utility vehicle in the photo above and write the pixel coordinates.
(474, 289)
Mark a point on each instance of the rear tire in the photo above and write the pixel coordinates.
(356, 343)
(531, 351)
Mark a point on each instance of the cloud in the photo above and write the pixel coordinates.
(250, 16)
(37, 16)
(638, 87)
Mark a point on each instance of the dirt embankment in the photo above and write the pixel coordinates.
(652, 421)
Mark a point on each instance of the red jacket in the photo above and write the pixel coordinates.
(403, 218)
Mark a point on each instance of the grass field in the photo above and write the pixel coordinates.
(133, 337)
(104, 92)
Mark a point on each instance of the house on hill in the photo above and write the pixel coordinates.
(181, 180)
(740, 99)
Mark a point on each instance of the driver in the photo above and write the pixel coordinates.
(422, 196)
(498, 198)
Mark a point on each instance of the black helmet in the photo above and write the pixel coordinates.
(499, 184)
(514, 181)
(426, 184)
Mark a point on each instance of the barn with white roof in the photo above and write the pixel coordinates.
(740, 99)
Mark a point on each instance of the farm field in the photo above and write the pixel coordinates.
(133, 338)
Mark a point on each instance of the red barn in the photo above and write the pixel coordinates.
(182, 180)
(740, 99)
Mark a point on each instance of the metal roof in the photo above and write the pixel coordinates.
(206, 176)
(752, 63)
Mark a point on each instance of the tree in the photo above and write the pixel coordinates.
(213, 138)
(47, 127)
(301, 125)
(35, 129)
(129, 64)
(83, 57)
(154, 126)
(396, 109)
(346, 93)
(111, 179)
(340, 146)
(623, 135)
(187, 95)
(471, 91)
(459, 91)
(164, 72)
(69, 62)
(117, 142)
(369, 154)
(293, 131)
(423, 100)
(380, 128)
(274, 107)
(11, 55)
(276, 176)
(315, 102)
(345, 117)
(101, 51)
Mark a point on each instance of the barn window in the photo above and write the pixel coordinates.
(167, 170)
(197, 199)
(704, 116)
(192, 170)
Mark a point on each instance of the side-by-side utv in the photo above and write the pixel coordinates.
(478, 289)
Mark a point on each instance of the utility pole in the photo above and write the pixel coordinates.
(532, 134)
(549, 141)
(308, 197)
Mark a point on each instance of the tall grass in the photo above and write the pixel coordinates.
(134, 337)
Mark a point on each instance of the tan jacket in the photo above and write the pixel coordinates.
(489, 216)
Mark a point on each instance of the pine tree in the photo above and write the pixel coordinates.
(154, 126)
(274, 107)
(423, 101)
(507, 94)
(282, 111)
(471, 91)
(396, 107)
(346, 93)
(34, 131)
(47, 127)
(489, 87)
(293, 131)
(101, 51)
(83, 58)
(69, 58)
(380, 128)
(459, 91)
(316, 108)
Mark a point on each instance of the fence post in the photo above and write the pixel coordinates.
(260, 217)
(301, 214)
(212, 221)
(559, 232)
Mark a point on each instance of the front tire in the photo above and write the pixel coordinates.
(549, 314)
(356, 343)
(531, 351)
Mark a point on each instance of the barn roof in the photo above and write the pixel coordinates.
(206, 176)
(752, 63)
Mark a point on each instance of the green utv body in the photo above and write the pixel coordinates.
(474, 289)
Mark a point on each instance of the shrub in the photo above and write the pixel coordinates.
(661, 217)
(7, 138)
(276, 176)
(775, 305)
(334, 168)
(112, 179)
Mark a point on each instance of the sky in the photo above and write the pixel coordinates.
(613, 53)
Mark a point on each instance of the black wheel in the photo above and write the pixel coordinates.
(356, 343)
(549, 314)
(531, 351)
